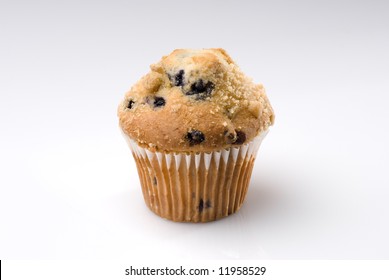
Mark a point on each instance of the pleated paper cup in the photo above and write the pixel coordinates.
(195, 187)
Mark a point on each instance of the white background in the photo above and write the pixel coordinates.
(68, 184)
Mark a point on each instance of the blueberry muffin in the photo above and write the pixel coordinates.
(194, 124)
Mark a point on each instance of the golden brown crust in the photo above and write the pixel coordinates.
(194, 101)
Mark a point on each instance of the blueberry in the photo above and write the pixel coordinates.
(204, 205)
(159, 101)
(130, 104)
(195, 137)
(177, 79)
(155, 101)
(241, 137)
(201, 205)
(200, 89)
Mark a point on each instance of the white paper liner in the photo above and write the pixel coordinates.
(195, 187)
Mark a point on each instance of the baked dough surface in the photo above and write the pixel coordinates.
(194, 101)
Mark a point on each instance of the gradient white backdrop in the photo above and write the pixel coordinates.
(68, 184)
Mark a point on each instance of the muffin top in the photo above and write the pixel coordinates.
(194, 101)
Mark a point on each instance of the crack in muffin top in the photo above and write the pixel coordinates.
(194, 101)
